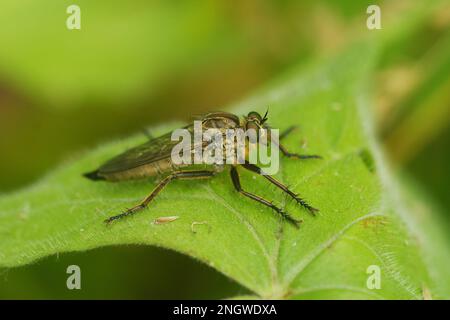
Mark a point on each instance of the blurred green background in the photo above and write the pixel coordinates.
(138, 63)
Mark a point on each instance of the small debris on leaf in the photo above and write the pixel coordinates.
(162, 220)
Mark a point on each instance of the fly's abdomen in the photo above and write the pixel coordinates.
(153, 169)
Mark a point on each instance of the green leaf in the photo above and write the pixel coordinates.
(363, 220)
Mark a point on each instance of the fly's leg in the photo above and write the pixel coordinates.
(288, 154)
(202, 174)
(258, 170)
(237, 185)
(148, 134)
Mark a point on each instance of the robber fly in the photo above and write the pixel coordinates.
(153, 158)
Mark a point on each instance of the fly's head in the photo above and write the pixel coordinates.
(254, 121)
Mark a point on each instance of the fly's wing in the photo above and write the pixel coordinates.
(151, 151)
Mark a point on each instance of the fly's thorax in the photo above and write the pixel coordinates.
(234, 146)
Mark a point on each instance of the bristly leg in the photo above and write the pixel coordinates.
(202, 174)
(258, 170)
(237, 185)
